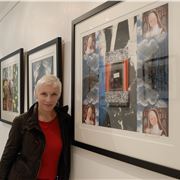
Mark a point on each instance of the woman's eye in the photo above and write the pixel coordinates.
(44, 94)
(54, 94)
(47, 94)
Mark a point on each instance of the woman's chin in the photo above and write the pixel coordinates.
(47, 108)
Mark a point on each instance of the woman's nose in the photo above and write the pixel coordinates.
(48, 98)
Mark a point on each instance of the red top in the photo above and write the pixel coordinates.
(52, 151)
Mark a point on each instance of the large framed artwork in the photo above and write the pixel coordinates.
(44, 59)
(124, 83)
(12, 86)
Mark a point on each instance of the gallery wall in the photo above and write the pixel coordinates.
(30, 24)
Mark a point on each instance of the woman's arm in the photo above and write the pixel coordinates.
(11, 149)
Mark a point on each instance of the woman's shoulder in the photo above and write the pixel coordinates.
(21, 118)
(62, 110)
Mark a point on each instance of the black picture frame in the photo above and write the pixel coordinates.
(76, 101)
(12, 98)
(45, 59)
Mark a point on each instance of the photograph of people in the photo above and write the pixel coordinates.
(154, 42)
(9, 88)
(154, 25)
(153, 60)
(155, 33)
(154, 124)
(89, 44)
(90, 114)
(38, 146)
(90, 70)
(7, 95)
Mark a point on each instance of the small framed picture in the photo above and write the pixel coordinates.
(44, 59)
(12, 86)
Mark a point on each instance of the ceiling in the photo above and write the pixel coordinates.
(3, 5)
(6, 7)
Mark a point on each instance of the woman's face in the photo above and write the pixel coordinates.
(152, 118)
(152, 19)
(90, 42)
(47, 96)
(89, 112)
(5, 83)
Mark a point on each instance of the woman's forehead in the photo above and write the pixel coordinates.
(152, 113)
(49, 86)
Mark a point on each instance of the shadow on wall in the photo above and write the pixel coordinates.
(87, 165)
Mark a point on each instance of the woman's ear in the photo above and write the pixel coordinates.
(35, 94)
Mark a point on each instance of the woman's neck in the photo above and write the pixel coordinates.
(46, 116)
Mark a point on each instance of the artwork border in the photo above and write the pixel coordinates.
(119, 156)
(20, 61)
(50, 48)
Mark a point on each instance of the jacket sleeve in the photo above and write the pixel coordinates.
(11, 149)
(65, 159)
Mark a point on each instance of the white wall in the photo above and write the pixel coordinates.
(31, 24)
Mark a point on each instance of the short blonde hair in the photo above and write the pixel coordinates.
(49, 79)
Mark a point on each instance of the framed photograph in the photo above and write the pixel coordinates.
(124, 83)
(12, 86)
(44, 59)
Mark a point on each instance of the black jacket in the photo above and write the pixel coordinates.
(23, 151)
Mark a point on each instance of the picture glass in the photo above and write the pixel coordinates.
(125, 81)
(121, 91)
(10, 87)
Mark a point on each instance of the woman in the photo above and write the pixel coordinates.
(155, 26)
(90, 46)
(154, 125)
(38, 146)
(90, 115)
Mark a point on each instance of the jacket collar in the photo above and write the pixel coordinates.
(32, 115)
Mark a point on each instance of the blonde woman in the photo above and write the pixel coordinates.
(38, 146)
(154, 124)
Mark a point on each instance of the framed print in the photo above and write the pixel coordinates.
(12, 86)
(124, 83)
(44, 59)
